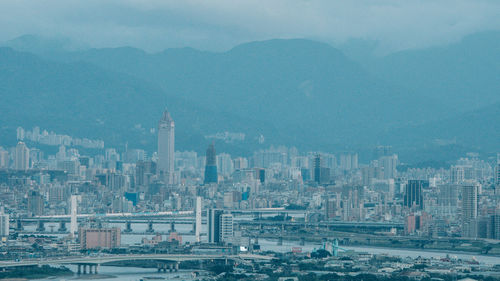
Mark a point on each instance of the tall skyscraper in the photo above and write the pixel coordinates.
(211, 165)
(321, 174)
(220, 226)
(389, 164)
(73, 229)
(35, 203)
(198, 219)
(317, 168)
(166, 152)
(22, 159)
(4, 224)
(413, 196)
(470, 192)
(214, 225)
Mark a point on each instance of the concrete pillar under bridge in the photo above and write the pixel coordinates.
(41, 226)
(163, 267)
(82, 268)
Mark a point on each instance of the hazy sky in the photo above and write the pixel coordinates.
(220, 24)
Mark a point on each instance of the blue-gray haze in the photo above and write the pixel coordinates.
(423, 77)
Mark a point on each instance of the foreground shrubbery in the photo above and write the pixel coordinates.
(33, 272)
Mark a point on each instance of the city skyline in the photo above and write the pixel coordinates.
(287, 140)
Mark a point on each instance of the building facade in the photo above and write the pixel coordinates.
(469, 209)
(166, 151)
(22, 159)
(211, 165)
(413, 196)
(99, 238)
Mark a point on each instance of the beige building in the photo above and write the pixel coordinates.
(99, 238)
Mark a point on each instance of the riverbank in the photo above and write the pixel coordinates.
(95, 277)
(455, 245)
(34, 272)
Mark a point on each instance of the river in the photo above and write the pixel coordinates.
(129, 274)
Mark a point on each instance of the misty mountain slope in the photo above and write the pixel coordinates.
(294, 92)
(465, 75)
(88, 101)
(38, 45)
(477, 129)
(307, 89)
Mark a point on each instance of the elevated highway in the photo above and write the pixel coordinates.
(164, 261)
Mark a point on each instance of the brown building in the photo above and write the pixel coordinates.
(99, 238)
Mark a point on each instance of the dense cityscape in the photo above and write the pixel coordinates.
(222, 140)
(279, 213)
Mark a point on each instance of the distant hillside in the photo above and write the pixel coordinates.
(38, 45)
(478, 129)
(463, 75)
(450, 138)
(293, 92)
(307, 89)
(87, 101)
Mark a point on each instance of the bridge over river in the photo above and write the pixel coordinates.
(164, 261)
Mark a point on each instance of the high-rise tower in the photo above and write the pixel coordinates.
(211, 165)
(413, 196)
(470, 192)
(74, 211)
(166, 139)
(198, 219)
(220, 226)
(22, 159)
(317, 168)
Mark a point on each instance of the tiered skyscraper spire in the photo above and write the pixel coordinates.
(166, 151)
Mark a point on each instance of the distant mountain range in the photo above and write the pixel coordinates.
(292, 92)
(464, 75)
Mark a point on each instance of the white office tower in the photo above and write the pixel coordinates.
(198, 219)
(4, 224)
(74, 211)
(166, 153)
(22, 159)
(220, 226)
(226, 229)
